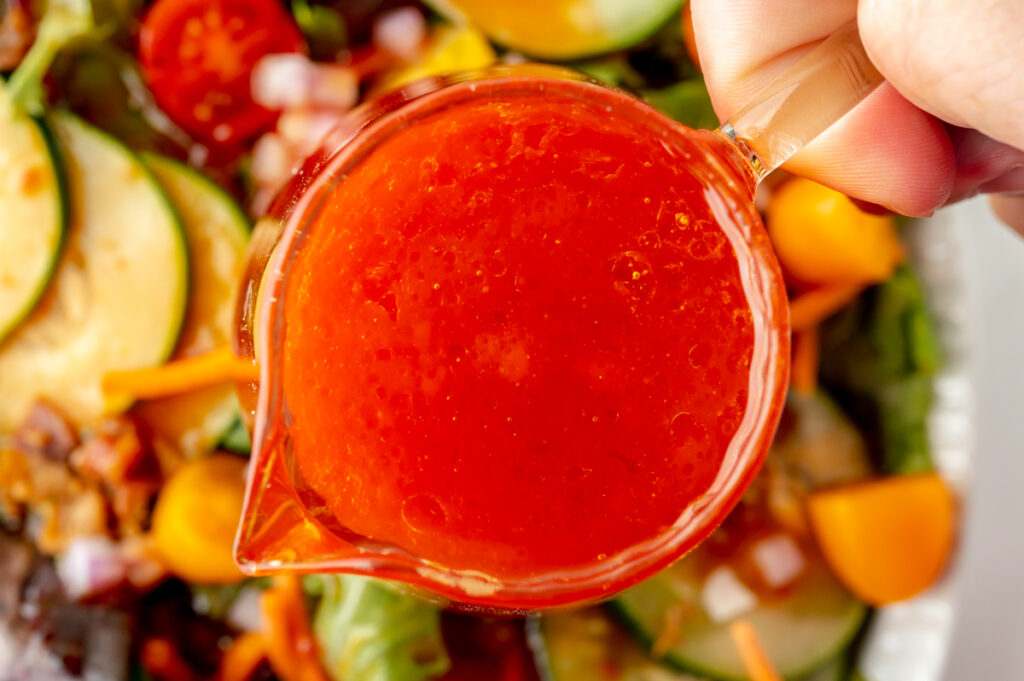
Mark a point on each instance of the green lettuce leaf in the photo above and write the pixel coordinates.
(369, 632)
(879, 358)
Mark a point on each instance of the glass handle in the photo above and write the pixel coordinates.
(804, 101)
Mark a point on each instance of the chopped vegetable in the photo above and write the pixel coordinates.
(821, 237)
(370, 632)
(564, 29)
(217, 233)
(198, 56)
(180, 376)
(324, 28)
(878, 359)
(801, 627)
(63, 21)
(816, 446)
(758, 666)
(195, 518)
(813, 307)
(99, 314)
(242, 657)
(160, 657)
(806, 357)
(589, 645)
(686, 102)
(450, 49)
(33, 192)
(886, 540)
(290, 645)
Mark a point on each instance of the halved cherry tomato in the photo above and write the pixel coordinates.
(198, 55)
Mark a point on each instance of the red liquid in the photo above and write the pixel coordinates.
(517, 339)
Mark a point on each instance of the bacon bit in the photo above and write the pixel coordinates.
(291, 647)
(46, 432)
(80, 513)
(670, 631)
(183, 375)
(242, 658)
(815, 306)
(161, 659)
(756, 662)
(117, 453)
(806, 358)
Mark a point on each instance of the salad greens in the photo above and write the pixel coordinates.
(367, 631)
(879, 357)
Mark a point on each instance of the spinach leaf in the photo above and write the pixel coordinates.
(879, 358)
(367, 631)
(687, 102)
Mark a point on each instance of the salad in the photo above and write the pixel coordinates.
(140, 141)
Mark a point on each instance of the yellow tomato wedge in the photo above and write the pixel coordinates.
(886, 540)
(195, 519)
(451, 49)
(821, 237)
(562, 29)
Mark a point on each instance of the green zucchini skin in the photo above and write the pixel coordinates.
(801, 633)
(56, 232)
(118, 294)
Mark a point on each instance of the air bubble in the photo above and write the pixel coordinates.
(633, 276)
(424, 513)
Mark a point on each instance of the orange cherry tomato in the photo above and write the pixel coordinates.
(197, 57)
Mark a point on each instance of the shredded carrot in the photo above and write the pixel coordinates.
(242, 657)
(806, 357)
(183, 375)
(756, 662)
(815, 306)
(670, 631)
(160, 658)
(290, 646)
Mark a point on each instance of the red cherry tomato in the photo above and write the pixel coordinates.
(198, 55)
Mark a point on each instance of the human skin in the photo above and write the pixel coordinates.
(947, 124)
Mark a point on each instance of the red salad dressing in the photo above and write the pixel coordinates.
(518, 342)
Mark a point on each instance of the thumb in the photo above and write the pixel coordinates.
(960, 61)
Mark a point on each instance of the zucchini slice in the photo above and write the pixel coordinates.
(217, 233)
(117, 300)
(33, 214)
(563, 29)
(590, 645)
(801, 632)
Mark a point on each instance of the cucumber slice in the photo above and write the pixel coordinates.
(33, 199)
(589, 645)
(217, 233)
(832, 671)
(117, 300)
(801, 632)
(563, 29)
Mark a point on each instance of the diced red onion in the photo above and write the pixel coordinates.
(303, 130)
(779, 560)
(401, 32)
(725, 597)
(271, 161)
(280, 81)
(90, 565)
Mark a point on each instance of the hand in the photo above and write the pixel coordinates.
(948, 124)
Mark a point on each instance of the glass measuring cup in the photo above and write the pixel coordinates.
(296, 515)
